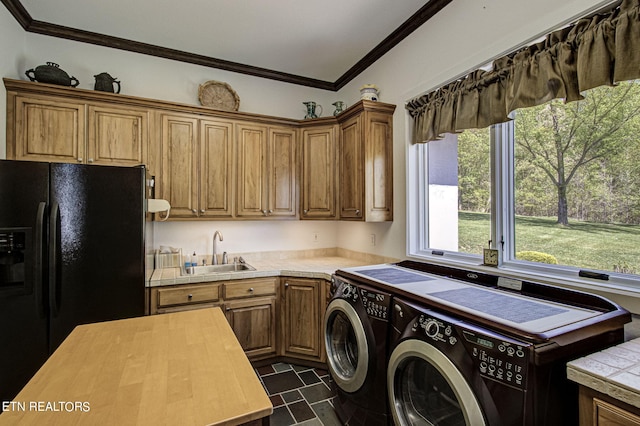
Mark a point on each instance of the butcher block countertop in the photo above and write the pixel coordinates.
(183, 368)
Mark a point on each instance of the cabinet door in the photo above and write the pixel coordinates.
(609, 415)
(254, 323)
(301, 317)
(49, 130)
(117, 136)
(252, 171)
(282, 172)
(216, 169)
(319, 173)
(351, 170)
(179, 183)
(378, 167)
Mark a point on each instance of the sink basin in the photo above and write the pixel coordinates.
(217, 269)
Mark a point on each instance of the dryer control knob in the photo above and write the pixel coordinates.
(431, 328)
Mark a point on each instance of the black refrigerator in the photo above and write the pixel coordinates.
(72, 252)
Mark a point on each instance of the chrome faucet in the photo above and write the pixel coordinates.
(214, 258)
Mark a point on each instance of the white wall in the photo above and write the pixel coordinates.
(157, 78)
(463, 35)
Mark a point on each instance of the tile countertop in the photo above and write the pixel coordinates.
(614, 371)
(308, 267)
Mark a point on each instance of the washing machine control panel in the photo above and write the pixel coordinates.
(496, 357)
(376, 304)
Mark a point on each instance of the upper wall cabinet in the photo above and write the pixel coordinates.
(196, 166)
(319, 172)
(213, 164)
(366, 162)
(267, 164)
(50, 126)
(117, 136)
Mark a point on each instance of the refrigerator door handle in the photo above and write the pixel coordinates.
(53, 259)
(39, 258)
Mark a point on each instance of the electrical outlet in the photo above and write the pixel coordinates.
(372, 239)
(315, 237)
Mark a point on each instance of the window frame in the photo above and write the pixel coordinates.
(502, 225)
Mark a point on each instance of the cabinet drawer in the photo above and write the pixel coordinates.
(260, 287)
(185, 295)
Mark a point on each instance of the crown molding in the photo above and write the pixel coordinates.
(45, 28)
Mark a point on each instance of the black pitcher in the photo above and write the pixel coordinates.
(104, 83)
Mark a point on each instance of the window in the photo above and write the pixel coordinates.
(557, 190)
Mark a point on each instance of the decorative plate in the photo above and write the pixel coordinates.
(218, 95)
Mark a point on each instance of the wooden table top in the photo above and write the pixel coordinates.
(184, 368)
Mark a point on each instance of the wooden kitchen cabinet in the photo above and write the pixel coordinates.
(63, 130)
(117, 136)
(41, 128)
(254, 323)
(366, 162)
(196, 166)
(598, 409)
(251, 309)
(267, 164)
(250, 305)
(319, 172)
(183, 297)
(302, 311)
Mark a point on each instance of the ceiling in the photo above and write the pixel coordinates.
(322, 44)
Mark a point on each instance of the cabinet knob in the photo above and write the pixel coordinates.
(357, 212)
(190, 296)
(251, 290)
(194, 211)
(90, 160)
(264, 212)
(304, 211)
(286, 285)
(79, 159)
(270, 211)
(202, 210)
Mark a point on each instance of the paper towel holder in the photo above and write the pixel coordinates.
(158, 205)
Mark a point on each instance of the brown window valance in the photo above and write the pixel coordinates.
(596, 51)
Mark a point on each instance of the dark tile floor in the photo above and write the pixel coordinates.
(300, 395)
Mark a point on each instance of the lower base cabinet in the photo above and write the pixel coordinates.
(271, 317)
(597, 409)
(254, 323)
(301, 316)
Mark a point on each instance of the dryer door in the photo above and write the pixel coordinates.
(347, 347)
(425, 388)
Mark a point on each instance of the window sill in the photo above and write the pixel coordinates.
(624, 294)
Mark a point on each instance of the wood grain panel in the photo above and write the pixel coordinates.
(301, 319)
(179, 164)
(253, 322)
(250, 288)
(351, 169)
(216, 169)
(252, 170)
(379, 167)
(282, 172)
(49, 130)
(117, 136)
(319, 173)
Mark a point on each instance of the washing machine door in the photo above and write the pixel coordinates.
(346, 345)
(426, 388)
